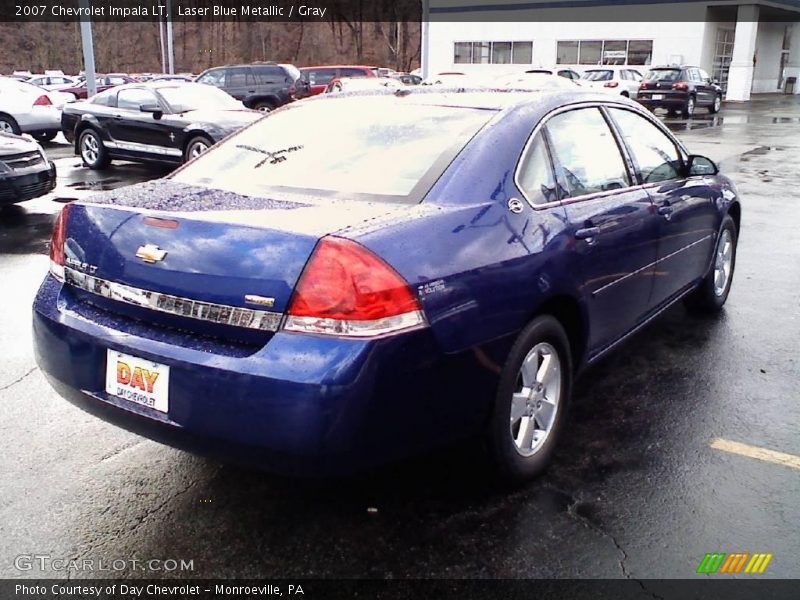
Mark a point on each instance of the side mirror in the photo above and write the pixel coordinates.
(155, 109)
(700, 165)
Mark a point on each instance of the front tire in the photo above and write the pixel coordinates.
(196, 146)
(92, 151)
(532, 398)
(711, 294)
(716, 105)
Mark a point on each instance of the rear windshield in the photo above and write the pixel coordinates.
(603, 75)
(367, 147)
(663, 75)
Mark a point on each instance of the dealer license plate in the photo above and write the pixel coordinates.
(138, 380)
(658, 96)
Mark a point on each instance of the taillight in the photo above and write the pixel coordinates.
(292, 90)
(611, 84)
(57, 244)
(680, 86)
(42, 101)
(346, 290)
(643, 86)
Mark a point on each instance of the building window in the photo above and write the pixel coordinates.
(499, 53)
(462, 53)
(590, 52)
(522, 53)
(604, 52)
(567, 53)
(640, 52)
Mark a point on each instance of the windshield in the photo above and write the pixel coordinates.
(365, 147)
(182, 98)
(663, 75)
(599, 75)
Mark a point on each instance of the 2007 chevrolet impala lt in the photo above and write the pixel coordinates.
(355, 279)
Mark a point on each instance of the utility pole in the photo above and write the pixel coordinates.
(88, 49)
(170, 45)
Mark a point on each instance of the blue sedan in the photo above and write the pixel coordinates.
(358, 278)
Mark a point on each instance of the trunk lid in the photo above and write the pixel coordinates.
(198, 259)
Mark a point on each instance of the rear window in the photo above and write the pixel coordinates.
(370, 148)
(663, 75)
(603, 75)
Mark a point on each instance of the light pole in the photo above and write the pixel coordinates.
(88, 49)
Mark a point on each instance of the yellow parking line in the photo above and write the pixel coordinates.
(778, 458)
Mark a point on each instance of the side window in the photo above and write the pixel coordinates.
(586, 152)
(656, 155)
(215, 77)
(352, 73)
(133, 98)
(265, 74)
(703, 75)
(535, 175)
(321, 76)
(239, 77)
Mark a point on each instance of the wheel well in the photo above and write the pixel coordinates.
(626, 94)
(271, 100)
(567, 311)
(735, 211)
(195, 134)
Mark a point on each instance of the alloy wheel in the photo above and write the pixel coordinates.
(197, 149)
(723, 262)
(90, 148)
(5, 126)
(535, 404)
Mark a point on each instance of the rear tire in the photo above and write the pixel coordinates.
(46, 136)
(8, 124)
(688, 108)
(711, 294)
(264, 106)
(92, 151)
(531, 402)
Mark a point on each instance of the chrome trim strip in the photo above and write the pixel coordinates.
(224, 314)
(652, 264)
(150, 148)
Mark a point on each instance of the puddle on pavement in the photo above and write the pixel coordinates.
(97, 185)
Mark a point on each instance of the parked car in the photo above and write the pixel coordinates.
(54, 82)
(361, 277)
(168, 77)
(103, 83)
(168, 122)
(560, 71)
(446, 79)
(352, 84)
(261, 86)
(25, 171)
(680, 88)
(613, 79)
(410, 79)
(26, 108)
(536, 80)
(318, 78)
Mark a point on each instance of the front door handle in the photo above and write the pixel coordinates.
(665, 210)
(587, 233)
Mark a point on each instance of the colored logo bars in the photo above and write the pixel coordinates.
(719, 562)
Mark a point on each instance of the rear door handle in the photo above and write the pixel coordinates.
(587, 233)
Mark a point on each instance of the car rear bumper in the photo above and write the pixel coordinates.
(16, 187)
(301, 405)
(39, 119)
(671, 100)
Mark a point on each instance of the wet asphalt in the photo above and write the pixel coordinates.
(636, 491)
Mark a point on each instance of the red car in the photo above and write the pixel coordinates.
(104, 82)
(318, 78)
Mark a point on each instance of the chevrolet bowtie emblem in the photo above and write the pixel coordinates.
(150, 253)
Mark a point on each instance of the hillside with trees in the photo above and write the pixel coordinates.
(134, 47)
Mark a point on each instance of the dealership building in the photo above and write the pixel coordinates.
(750, 48)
